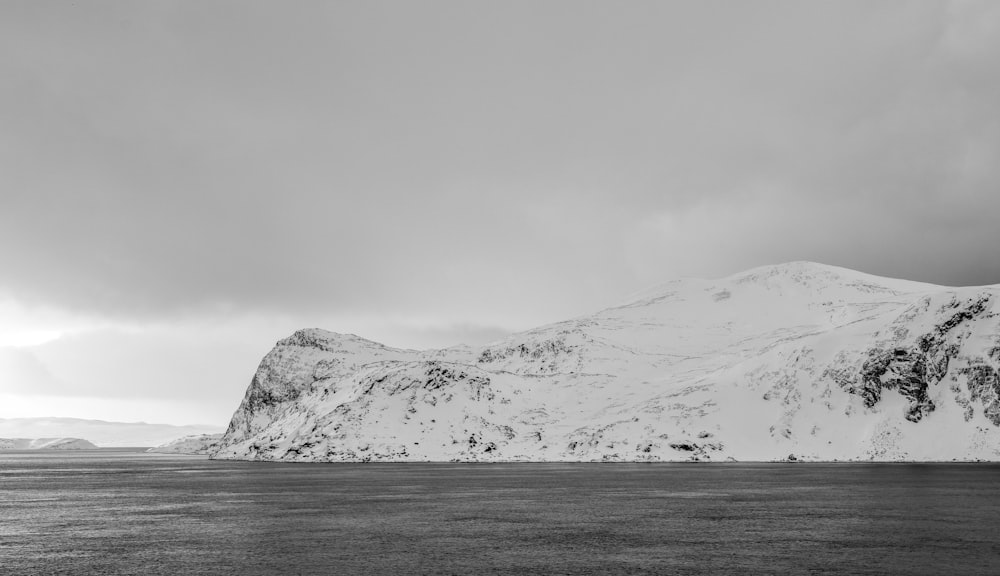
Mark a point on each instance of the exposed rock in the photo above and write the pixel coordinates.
(544, 357)
(913, 370)
(983, 383)
(899, 369)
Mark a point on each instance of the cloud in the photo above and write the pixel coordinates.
(716, 238)
(971, 29)
(22, 372)
(173, 201)
(484, 165)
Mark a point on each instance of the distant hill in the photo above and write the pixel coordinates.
(197, 444)
(100, 432)
(45, 444)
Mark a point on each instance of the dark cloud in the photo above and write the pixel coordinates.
(465, 162)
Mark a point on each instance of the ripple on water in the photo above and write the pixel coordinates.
(127, 514)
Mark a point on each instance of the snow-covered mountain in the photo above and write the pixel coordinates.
(795, 361)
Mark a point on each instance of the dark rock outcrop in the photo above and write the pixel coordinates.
(902, 370)
(912, 370)
(983, 382)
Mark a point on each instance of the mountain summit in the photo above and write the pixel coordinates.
(797, 361)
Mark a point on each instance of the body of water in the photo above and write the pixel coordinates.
(122, 512)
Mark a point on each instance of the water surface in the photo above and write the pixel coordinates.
(121, 512)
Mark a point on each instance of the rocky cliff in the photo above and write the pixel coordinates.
(796, 361)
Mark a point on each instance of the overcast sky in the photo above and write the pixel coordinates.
(184, 183)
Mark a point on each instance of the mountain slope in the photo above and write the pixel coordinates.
(799, 359)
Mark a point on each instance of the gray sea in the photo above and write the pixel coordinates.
(123, 512)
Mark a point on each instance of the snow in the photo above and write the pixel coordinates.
(757, 366)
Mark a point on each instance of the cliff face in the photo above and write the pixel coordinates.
(800, 360)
